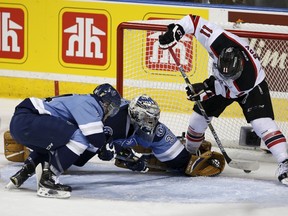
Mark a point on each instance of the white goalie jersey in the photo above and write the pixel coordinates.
(214, 39)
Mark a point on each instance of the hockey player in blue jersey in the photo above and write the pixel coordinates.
(59, 130)
(138, 123)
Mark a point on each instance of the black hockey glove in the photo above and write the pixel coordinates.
(140, 165)
(108, 134)
(132, 161)
(106, 152)
(201, 91)
(170, 38)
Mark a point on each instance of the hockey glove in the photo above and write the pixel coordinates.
(172, 36)
(201, 91)
(108, 134)
(140, 165)
(106, 152)
(132, 161)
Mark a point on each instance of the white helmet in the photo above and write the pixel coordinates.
(144, 112)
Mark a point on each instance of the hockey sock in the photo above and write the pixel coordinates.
(193, 140)
(276, 143)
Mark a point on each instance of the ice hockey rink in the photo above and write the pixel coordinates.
(100, 188)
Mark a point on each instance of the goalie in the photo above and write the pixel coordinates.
(144, 129)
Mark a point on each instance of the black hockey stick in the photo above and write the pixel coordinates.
(244, 165)
(135, 158)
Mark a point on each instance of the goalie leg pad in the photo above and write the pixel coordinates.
(14, 151)
(207, 164)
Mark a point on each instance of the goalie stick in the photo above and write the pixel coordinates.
(244, 165)
(135, 158)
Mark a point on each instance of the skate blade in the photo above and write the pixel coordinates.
(50, 193)
(10, 186)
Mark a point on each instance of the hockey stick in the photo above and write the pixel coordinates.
(244, 165)
(134, 159)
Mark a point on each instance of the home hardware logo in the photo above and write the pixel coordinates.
(84, 38)
(12, 34)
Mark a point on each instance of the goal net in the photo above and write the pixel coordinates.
(142, 67)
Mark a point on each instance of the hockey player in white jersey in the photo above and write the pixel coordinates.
(59, 130)
(137, 124)
(237, 77)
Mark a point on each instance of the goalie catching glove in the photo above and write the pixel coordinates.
(207, 164)
(170, 38)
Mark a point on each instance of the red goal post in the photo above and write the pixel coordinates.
(144, 68)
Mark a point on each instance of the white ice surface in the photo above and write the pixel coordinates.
(100, 188)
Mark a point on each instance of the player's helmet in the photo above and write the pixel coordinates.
(144, 112)
(230, 63)
(110, 99)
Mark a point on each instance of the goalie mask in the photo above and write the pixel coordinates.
(144, 112)
(230, 63)
(110, 99)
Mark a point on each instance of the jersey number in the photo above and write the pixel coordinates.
(206, 31)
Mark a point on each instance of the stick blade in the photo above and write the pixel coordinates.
(244, 165)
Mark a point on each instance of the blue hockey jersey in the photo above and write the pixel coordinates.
(163, 143)
(81, 110)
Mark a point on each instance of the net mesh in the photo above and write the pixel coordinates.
(150, 70)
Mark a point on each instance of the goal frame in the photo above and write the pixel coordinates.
(158, 27)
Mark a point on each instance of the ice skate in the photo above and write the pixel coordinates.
(49, 187)
(21, 176)
(283, 172)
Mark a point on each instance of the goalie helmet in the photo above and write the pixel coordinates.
(144, 112)
(230, 63)
(110, 99)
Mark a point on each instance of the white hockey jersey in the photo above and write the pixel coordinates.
(214, 39)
